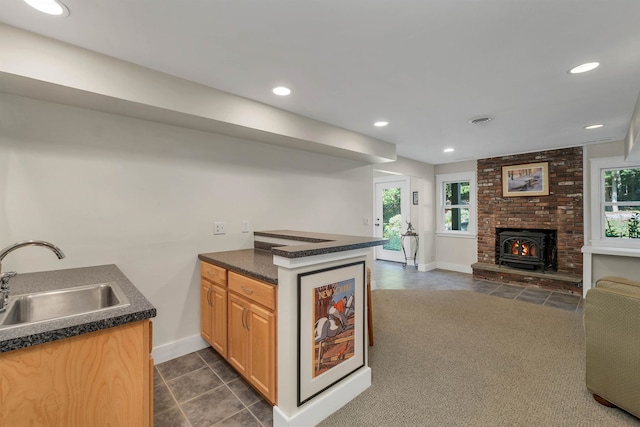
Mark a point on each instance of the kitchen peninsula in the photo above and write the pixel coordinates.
(289, 315)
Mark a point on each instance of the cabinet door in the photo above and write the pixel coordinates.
(95, 379)
(262, 344)
(206, 314)
(219, 320)
(237, 338)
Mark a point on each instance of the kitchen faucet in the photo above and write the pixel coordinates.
(4, 277)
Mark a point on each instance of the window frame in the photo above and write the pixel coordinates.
(598, 201)
(449, 178)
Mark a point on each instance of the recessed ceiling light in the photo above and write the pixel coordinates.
(380, 124)
(50, 7)
(480, 120)
(281, 90)
(584, 68)
(593, 127)
(449, 150)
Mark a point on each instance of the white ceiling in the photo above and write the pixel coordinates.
(426, 66)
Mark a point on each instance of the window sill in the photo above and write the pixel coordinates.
(599, 249)
(459, 235)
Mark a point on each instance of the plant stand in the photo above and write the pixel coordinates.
(413, 243)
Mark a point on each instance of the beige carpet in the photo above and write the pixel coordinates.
(460, 358)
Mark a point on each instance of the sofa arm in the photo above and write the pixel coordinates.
(612, 334)
(620, 283)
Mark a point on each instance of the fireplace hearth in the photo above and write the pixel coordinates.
(527, 249)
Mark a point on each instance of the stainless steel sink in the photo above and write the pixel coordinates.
(38, 307)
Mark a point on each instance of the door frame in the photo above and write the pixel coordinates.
(404, 182)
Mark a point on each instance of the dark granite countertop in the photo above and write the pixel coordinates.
(256, 263)
(51, 330)
(319, 243)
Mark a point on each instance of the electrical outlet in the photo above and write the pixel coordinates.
(245, 226)
(218, 228)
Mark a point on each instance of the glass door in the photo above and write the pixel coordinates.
(391, 216)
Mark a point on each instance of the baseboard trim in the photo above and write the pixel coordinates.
(178, 348)
(320, 407)
(460, 268)
(427, 267)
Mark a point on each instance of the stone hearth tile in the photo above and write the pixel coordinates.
(162, 399)
(243, 418)
(194, 384)
(263, 412)
(210, 356)
(534, 296)
(566, 298)
(212, 407)
(180, 366)
(507, 291)
(225, 371)
(171, 418)
(570, 306)
(484, 286)
(244, 391)
(157, 378)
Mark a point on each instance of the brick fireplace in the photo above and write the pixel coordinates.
(559, 213)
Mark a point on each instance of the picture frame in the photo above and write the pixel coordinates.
(415, 197)
(529, 179)
(331, 344)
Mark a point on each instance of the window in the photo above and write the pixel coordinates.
(621, 202)
(616, 207)
(456, 214)
(456, 206)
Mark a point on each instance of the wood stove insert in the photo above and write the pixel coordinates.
(525, 249)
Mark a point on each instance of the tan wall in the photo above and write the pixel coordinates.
(455, 253)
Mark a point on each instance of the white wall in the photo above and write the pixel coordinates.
(40, 67)
(453, 252)
(143, 195)
(604, 265)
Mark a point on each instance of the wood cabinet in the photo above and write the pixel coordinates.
(252, 343)
(249, 323)
(252, 332)
(103, 378)
(213, 306)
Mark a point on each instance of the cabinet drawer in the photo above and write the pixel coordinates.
(260, 292)
(213, 273)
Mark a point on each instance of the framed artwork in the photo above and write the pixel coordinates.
(531, 179)
(330, 327)
(415, 197)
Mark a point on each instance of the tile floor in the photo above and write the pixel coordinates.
(202, 390)
(390, 275)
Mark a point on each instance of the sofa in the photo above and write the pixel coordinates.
(612, 337)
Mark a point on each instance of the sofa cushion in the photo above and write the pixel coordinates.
(627, 286)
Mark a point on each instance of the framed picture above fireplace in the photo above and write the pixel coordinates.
(530, 179)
